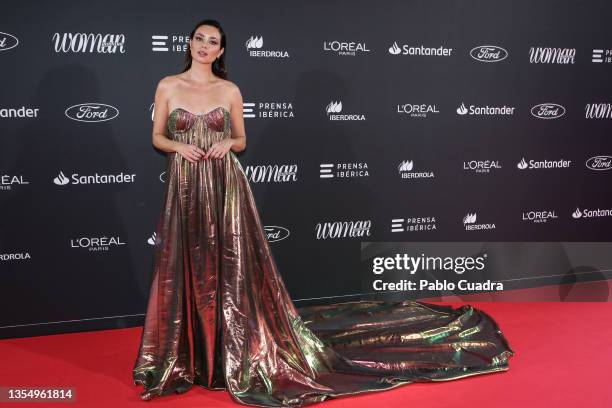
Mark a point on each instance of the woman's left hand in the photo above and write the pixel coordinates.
(219, 149)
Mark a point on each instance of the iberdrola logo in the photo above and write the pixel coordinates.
(522, 164)
(462, 110)
(406, 165)
(334, 107)
(469, 223)
(469, 218)
(254, 42)
(577, 214)
(395, 49)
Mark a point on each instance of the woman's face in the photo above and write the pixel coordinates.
(206, 44)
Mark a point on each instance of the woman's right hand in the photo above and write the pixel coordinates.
(190, 152)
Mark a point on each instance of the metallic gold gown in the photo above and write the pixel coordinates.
(219, 314)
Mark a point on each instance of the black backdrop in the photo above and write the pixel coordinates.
(78, 256)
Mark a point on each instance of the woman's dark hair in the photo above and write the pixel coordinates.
(218, 67)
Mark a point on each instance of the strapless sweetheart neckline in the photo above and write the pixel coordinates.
(200, 114)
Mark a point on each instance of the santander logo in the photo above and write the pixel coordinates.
(61, 179)
(395, 49)
(462, 110)
(152, 239)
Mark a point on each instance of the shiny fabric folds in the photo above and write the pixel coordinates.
(220, 316)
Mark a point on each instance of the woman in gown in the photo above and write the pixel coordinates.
(219, 314)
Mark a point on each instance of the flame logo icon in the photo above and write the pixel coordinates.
(334, 107)
(61, 180)
(469, 218)
(152, 109)
(405, 165)
(254, 42)
(577, 214)
(522, 164)
(394, 49)
(462, 110)
(152, 239)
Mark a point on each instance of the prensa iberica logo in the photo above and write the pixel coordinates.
(343, 170)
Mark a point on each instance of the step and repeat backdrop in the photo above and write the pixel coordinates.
(409, 121)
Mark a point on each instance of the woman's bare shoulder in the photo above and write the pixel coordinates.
(169, 81)
(230, 86)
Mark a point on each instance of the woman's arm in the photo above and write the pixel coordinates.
(161, 141)
(160, 117)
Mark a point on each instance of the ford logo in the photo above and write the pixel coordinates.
(7, 41)
(275, 233)
(599, 163)
(488, 53)
(548, 111)
(92, 112)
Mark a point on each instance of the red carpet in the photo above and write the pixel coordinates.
(563, 359)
